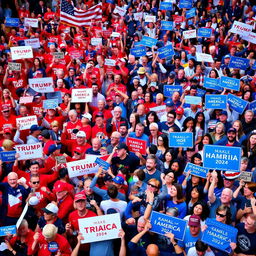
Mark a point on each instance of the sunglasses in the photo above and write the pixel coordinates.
(153, 186)
(5, 111)
(35, 182)
(221, 215)
(77, 153)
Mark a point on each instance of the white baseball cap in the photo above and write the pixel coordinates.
(33, 201)
(51, 208)
(88, 116)
(81, 134)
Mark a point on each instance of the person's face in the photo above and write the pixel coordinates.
(87, 189)
(159, 100)
(99, 121)
(169, 178)
(253, 140)
(117, 114)
(175, 166)
(95, 89)
(140, 226)
(132, 118)
(221, 216)
(194, 230)
(71, 72)
(225, 197)
(35, 182)
(248, 117)
(139, 131)
(236, 126)
(197, 161)
(151, 118)
(150, 164)
(190, 124)
(168, 157)
(173, 191)
(117, 79)
(152, 187)
(175, 96)
(219, 129)
(247, 191)
(170, 118)
(23, 111)
(200, 118)
(228, 183)
(249, 223)
(121, 152)
(6, 94)
(194, 193)
(80, 205)
(244, 165)
(12, 181)
(231, 136)
(193, 92)
(198, 209)
(34, 169)
(141, 110)
(6, 113)
(160, 140)
(48, 216)
(60, 195)
(80, 140)
(147, 97)
(101, 105)
(153, 131)
(123, 130)
(72, 117)
(195, 179)
(223, 118)
(22, 230)
(96, 144)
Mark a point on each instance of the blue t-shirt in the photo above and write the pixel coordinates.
(182, 207)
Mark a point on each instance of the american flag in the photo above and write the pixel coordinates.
(72, 16)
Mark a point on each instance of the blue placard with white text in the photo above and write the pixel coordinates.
(191, 13)
(181, 139)
(215, 101)
(54, 95)
(187, 4)
(110, 1)
(230, 83)
(166, 51)
(236, 103)
(240, 63)
(12, 22)
(138, 51)
(163, 224)
(193, 100)
(170, 89)
(212, 83)
(166, 6)
(8, 230)
(105, 165)
(50, 104)
(252, 106)
(200, 92)
(204, 32)
(148, 41)
(222, 157)
(219, 235)
(254, 65)
(196, 170)
(166, 25)
(7, 156)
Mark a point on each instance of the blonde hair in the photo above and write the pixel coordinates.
(8, 145)
(54, 123)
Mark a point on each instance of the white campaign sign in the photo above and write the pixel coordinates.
(110, 62)
(82, 95)
(34, 42)
(29, 151)
(204, 57)
(42, 85)
(251, 37)
(120, 11)
(115, 34)
(189, 34)
(21, 52)
(138, 15)
(27, 99)
(31, 22)
(150, 18)
(160, 110)
(241, 28)
(96, 41)
(100, 228)
(26, 122)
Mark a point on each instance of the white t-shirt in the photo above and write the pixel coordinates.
(119, 206)
(192, 252)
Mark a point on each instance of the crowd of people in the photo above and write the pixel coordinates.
(127, 93)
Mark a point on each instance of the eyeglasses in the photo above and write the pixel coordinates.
(221, 215)
(153, 186)
(153, 130)
(35, 182)
(77, 153)
(171, 177)
(170, 116)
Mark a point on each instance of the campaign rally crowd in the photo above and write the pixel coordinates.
(127, 127)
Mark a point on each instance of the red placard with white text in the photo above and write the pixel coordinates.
(136, 145)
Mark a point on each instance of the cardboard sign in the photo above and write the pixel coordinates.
(29, 151)
(181, 139)
(42, 85)
(54, 95)
(166, 25)
(165, 6)
(12, 22)
(100, 228)
(96, 41)
(222, 157)
(105, 165)
(29, 22)
(230, 83)
(241, 28)
(204, 32)
(7, 156)
(240, 63)
(8, 230)
(150, 18)
(82, 95)
(252, 106)
(163, 223)
(115, 34)
(26, 122)
(193, 100)
(138, 51)
(136, 145)
(166, 51)
(245, 176)
(219, 235)
(110, 62)
(27, 99)
(14, 66)
(170, 89)
(187, 4)
(34, 43)
(251, 37)
(160, 110)
(215, 101)
(120, 11)
(236, 103)
(58, 55)
(204, 57)
(21, 52)
(212, 83)
(191, 13)
(50, 104)
(189, 34)
(196, 170)
(137, 16)
(148, 41)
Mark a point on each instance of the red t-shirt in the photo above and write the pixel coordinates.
(65, 207)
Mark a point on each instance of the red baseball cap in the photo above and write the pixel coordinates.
(78, 149)
(61, 187)
(79, 196)
(109, 98)
(7, 130)
(179, 111)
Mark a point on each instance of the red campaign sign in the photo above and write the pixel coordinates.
(136, 145)
(177, 19)
(106, 33)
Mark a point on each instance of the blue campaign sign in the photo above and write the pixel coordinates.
(54, 95)
(191, 13)
(200, 92)
(148, 41)
(7, 156)
(212, 83)
(236, 103)
(187, 4)
(170, 89)
(240, 63)
(215, 101)
(166, 25)
(110, 1)
(254, 65)
(105, 165)
(219, 235)
(50, 104)
(230, 83)
(136, 44)
(5, 230)
(204, 32)
(193, 100)
(196, 170)
(138, 51)
(163, 224)
(181, 139)
(166, 51)
(222, 157)
(252, 106)
(12, 22)
(167, 6)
